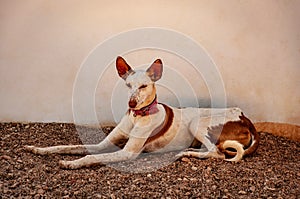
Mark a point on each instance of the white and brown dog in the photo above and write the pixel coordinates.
(149, 126)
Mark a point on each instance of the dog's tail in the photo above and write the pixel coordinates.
(235, 145)
(242, 150)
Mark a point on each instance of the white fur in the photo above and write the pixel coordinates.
(236, 145)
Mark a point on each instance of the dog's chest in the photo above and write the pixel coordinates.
(172, 134)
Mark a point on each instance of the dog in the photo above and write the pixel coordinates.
(149, 126)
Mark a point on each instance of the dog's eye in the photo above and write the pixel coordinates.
(143, 86)
(128, 85)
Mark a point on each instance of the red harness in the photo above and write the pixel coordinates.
(147, 110)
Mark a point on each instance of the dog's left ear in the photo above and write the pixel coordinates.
(155, 70)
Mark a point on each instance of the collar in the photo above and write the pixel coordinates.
(147, 110)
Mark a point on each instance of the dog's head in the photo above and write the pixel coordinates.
(141, 83)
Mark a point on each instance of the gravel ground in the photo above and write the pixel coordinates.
(272, 172)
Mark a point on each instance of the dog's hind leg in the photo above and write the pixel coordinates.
(199, 128)
(200, 154)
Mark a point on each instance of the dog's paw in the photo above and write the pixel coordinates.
(31, 149)
(66, 164)
(190, 152)
(35, 150)
(181, 154)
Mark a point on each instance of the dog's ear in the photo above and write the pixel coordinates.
(124, 70)
(155, 70)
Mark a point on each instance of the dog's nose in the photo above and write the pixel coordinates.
(132, 103)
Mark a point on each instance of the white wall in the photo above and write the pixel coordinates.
(255, 45)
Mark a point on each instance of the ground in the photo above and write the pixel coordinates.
(272, 172)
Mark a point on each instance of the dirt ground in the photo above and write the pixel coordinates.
(272, 172)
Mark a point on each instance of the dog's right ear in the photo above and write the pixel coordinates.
(124, 70)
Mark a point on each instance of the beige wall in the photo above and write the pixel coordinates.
(255, 45)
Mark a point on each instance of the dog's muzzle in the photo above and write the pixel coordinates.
(132, 103)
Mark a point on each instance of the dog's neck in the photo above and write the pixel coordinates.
(146, 110)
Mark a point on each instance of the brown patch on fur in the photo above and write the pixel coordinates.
(164, 127)
(235, 130)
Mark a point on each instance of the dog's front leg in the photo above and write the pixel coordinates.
(120, 132)
(107, 144)
(99, 159)
(132, 149)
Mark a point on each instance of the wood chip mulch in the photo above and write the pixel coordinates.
(272, 172)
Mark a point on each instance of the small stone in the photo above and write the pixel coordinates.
(10, 175)
(98, 195)
(187, 193)
(271, 188)
(149, 175)
(194, 168)
(208, 169)
(76, 192)
(252, 188)
(112, 196)
(184, 159)
(225, 190)
(37, 196)
(242, 192)
(5, 191)
(214, 187)
(14, 185)
(40, 191)
(5, 157)
(179, 179)
(32, 193)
